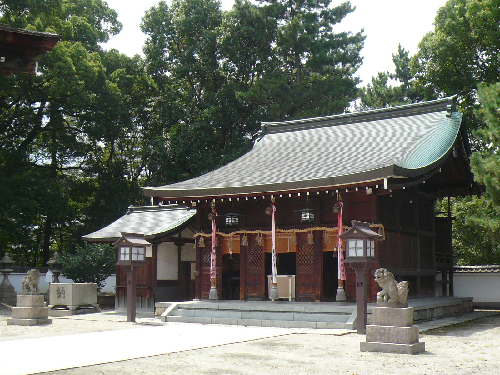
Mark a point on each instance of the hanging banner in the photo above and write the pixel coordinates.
(273, 236)
(340, 250)
(213, 260)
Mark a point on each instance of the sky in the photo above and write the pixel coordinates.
(386, 24)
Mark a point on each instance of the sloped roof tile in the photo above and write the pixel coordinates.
(151, 221)
(405, 141)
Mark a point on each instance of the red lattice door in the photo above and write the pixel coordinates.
(255, 272)
(308, 279)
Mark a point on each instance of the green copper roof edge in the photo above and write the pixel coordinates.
(456, 122)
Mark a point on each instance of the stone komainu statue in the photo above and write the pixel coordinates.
(30, 281)
(392, 293)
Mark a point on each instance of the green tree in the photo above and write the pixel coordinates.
(90, 263)
(316, 66)
(486, 162)
(461, 52)
(198, 123)
(219, 74)
(389, 89)
(70, 155)
(476, 230)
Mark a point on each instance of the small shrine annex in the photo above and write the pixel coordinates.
(386, 167)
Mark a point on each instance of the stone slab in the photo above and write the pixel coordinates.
(30, 312)
(395, 335)
(28, 322)
(73, 294)
(392, 316)
(30, 300)
(382, 347)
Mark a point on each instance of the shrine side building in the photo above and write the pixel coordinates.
(387, 167)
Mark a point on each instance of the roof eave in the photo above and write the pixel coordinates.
(285, 187)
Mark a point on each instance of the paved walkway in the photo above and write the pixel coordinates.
(147, 337)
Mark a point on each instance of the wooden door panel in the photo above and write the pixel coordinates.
(305, 271)
(255, 275)
(309, 267)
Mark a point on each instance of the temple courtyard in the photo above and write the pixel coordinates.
(104, 343)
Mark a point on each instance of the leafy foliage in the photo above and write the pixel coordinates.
(220, 73)
(486, 162)
(91, 263)
(69, 159)
(460, 53)
(390, 89)
(476, 230)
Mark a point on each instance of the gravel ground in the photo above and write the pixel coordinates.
(466, 348)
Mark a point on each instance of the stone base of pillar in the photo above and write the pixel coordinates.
(340, 294)
(392, 331)
(274, 292)
(30, 311)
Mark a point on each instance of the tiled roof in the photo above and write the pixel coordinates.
(477, 269)
(405, 141)
(151, 221)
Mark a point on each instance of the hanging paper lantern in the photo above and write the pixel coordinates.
(201, 242)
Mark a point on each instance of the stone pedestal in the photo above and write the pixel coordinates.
(30, 311)
(392, 331)
(72, 298)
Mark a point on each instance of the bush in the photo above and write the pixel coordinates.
(92, 263)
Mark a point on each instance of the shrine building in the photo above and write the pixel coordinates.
(386, 167)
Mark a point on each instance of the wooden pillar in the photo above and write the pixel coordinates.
(243, 270)
(318, 265)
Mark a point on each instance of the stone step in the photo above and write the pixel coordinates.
(262, 315)
(260, 322)
(268, 306)
(290, 315)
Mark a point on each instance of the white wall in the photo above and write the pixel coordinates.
(43, 286)
(482, 287)
(167, 256)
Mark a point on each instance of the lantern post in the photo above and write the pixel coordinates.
(131, 256)
(360, 249)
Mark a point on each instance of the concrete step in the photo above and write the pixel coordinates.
(261, 322)
(262, 315)
(290, 315)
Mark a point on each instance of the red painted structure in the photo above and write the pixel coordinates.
(389, 167)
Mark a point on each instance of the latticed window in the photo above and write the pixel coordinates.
(206, 254)
(305, 254)
(255, 255)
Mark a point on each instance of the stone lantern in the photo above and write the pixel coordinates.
(131, 255)
(360, 253)
(55, 267)
(7, 292)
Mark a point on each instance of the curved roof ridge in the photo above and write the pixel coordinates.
(448, 103)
